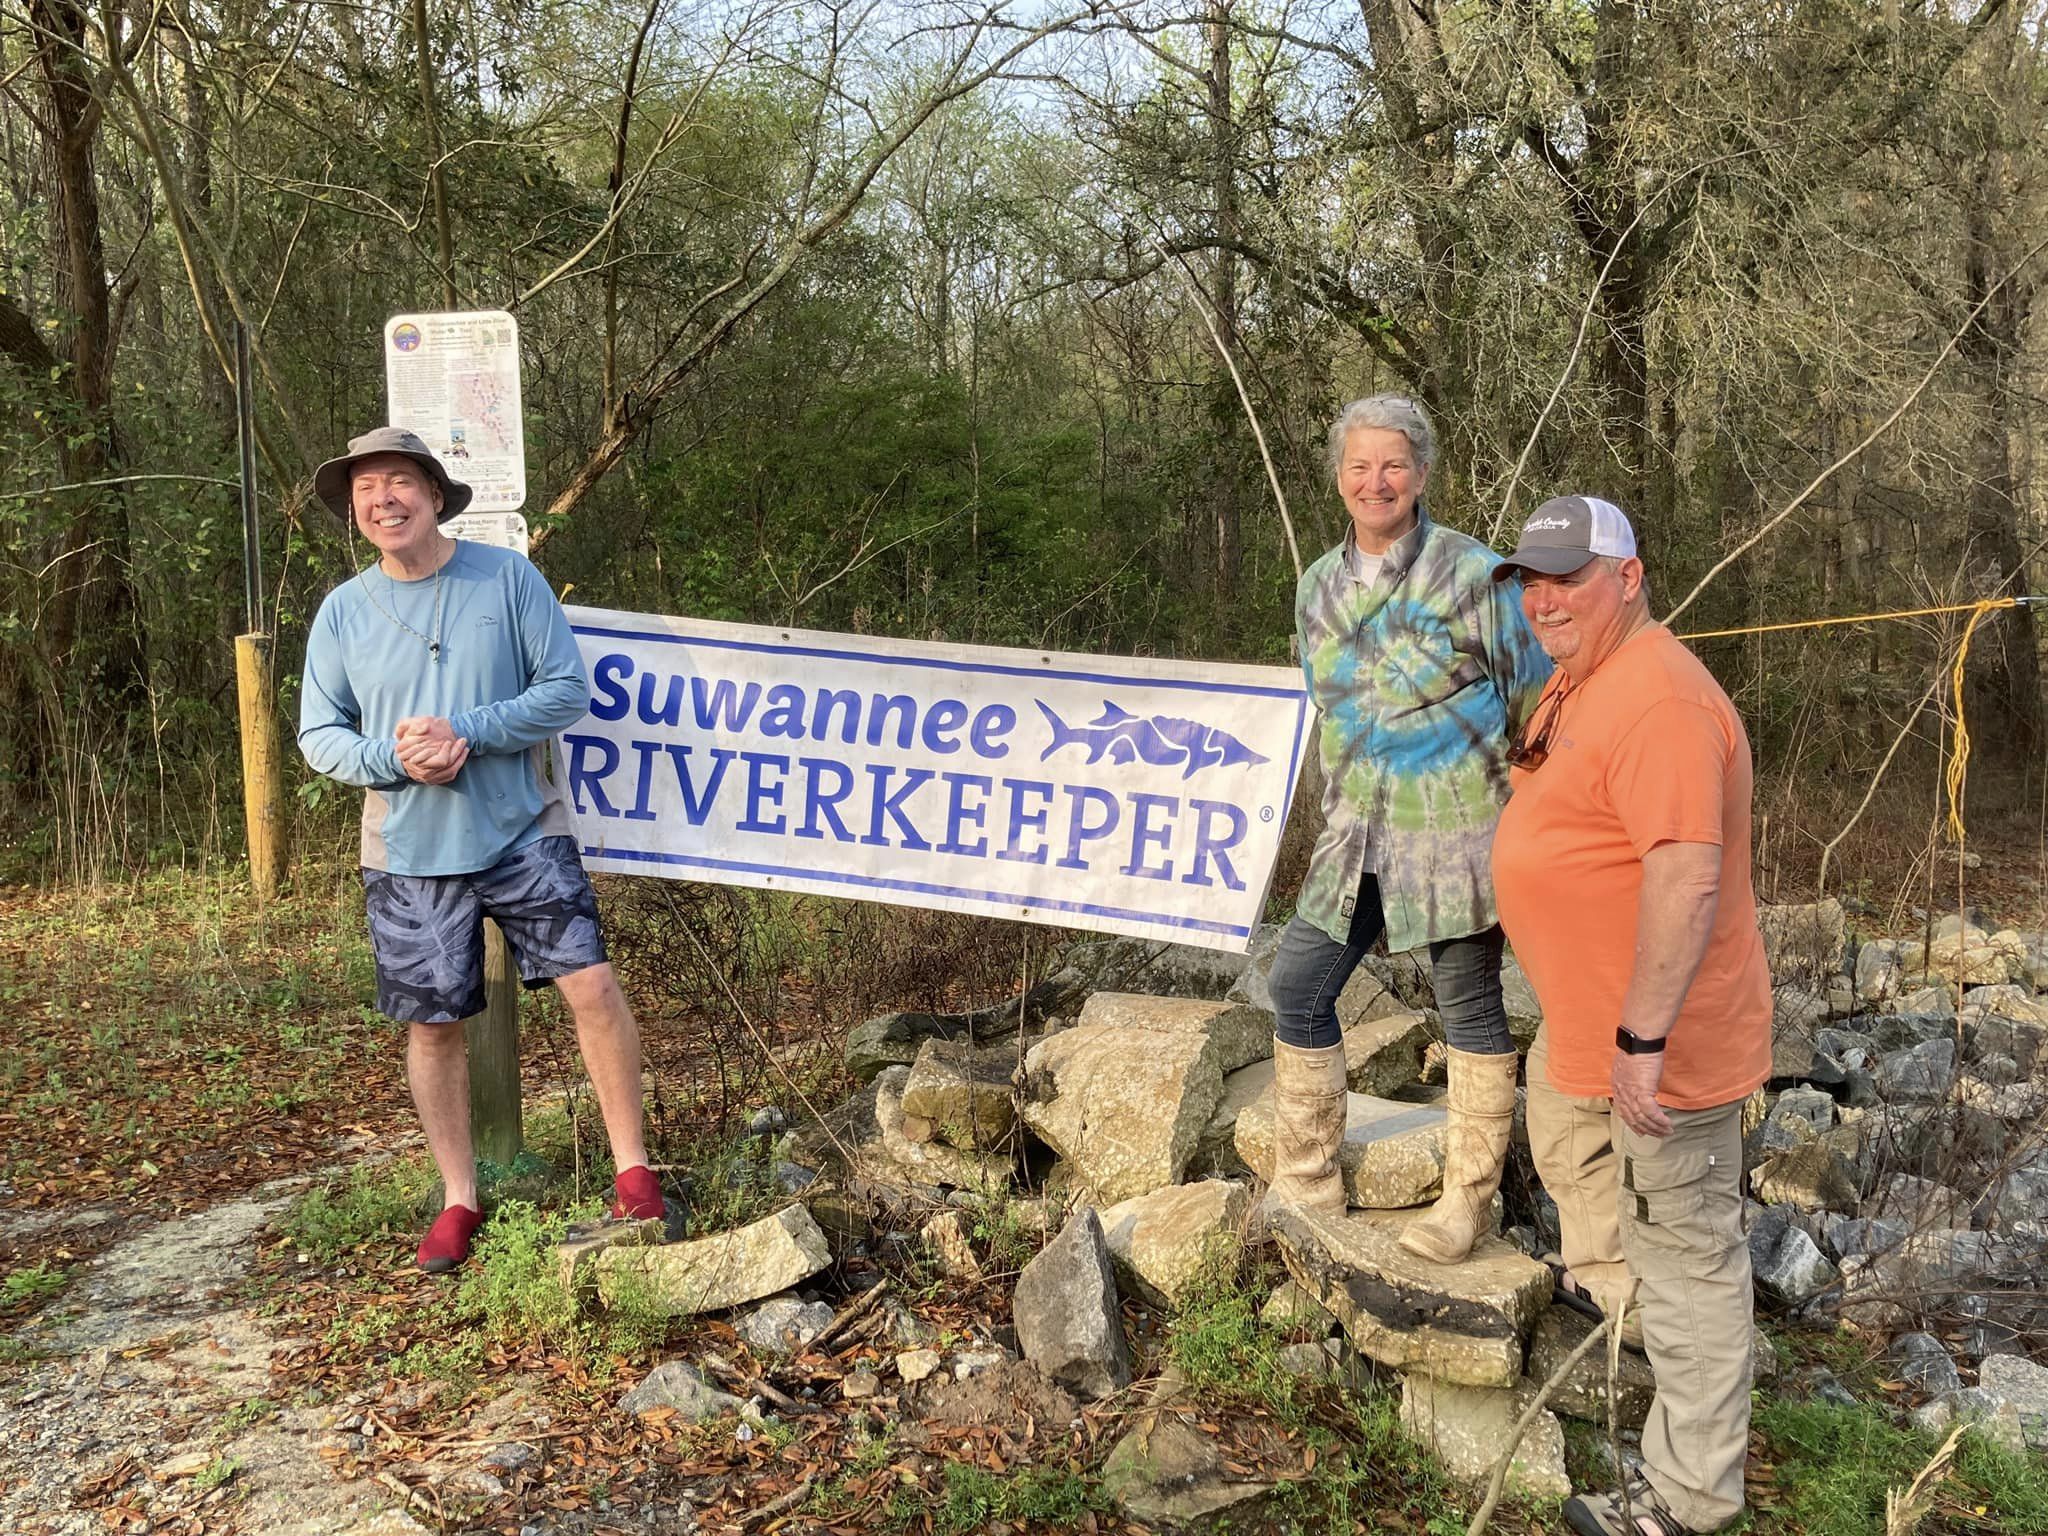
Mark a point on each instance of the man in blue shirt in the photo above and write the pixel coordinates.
(434, 681)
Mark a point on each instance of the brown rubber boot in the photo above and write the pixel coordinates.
(1482, 1106)
(1308, 1128)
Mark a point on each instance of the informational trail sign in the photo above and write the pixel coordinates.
(500, 530)
(1129, 795)
(454, 379)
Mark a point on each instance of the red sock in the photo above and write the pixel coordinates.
(447, 1241)
(639, 1194)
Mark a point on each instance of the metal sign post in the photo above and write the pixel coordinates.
(454, 379)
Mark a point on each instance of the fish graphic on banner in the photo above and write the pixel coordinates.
(1162, 740)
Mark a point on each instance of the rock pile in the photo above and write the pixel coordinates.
(1893, 1182)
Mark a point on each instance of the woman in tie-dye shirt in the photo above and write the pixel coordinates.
(1423, 669)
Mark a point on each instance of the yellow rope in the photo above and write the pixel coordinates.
(1977, 608)
(1959, 754)
(1959, 758)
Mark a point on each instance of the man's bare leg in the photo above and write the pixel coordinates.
(609, 1037)
(437, 1067)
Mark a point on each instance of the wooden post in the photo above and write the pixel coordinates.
(493, 1037)
(262, 780)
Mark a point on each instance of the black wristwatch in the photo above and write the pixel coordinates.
(1633, 1044)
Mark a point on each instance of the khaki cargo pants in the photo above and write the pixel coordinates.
(1666, 1213)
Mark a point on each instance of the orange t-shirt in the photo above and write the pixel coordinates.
(1647, 750)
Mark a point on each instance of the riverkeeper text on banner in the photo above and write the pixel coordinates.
(1124, 794)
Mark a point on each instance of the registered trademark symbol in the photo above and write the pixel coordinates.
(1265, 813)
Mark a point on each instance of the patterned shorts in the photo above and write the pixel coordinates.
(427, 931)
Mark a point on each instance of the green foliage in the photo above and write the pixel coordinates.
(32, 1285)
(975, 1497)
(245, 1414)
(215, 1473)
(514, 1293)
(375, 1203)
(1219, 1344)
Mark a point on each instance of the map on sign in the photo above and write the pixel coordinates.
(501, 530)
(454, 379)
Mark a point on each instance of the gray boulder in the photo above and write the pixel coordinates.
(782, 1325)
(1788, 1264)
(1919, 1073)
(677, 1384)
(2017, 1382)
(1065, 1310)
(1803, 940)
(1922, 1362)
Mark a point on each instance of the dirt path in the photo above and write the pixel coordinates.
(147, 1387)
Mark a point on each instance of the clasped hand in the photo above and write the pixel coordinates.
(429, 750)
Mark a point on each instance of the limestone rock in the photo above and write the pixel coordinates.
(720, 1271)
(947, 1237)
(963, 1092)
(894, 1039)
(1290, 1308)
(1879, 975)
(1913, 1202)
(1384, 1054)
(1460, 1323)
(1468, 1426)
(1518, 997)
(917, 1364)
(2017, 1382)
(576, 1257)
(1993, 1420)
(1168, 1473)
(1155, 966)
(1125, 1107)
(1788, 1264)
(1583, 1392)
(782, 1325)
(1392, 1156)
(858, 1386)
(676, 1384)
(1065, 1311)
(1814, 1177)
(1216, 1154)
(924, 1162)
(1919, 1073)
(1976, 958)
(1922, 1362)
(1239, 1034)
(1802, 940)
(1165, 1239)
(1929, 1002)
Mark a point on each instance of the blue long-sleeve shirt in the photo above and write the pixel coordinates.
(509, 679)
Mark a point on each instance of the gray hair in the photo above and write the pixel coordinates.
(1390, 413)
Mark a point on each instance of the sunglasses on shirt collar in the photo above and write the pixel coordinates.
(1530, 749)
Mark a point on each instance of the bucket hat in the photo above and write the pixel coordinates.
(331, 480)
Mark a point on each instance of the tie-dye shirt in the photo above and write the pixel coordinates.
(1422, 678)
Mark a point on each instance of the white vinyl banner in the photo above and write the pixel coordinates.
(1123, 794)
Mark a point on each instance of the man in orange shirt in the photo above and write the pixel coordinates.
(1622, 872)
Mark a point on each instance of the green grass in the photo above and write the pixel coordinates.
(1835, 1465)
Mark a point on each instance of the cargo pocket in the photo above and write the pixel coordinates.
(1682, 1204)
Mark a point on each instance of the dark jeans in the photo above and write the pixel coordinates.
(1310, 969)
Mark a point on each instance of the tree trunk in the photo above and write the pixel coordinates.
(88, 631)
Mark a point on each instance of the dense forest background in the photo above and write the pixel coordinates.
(921, 319)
